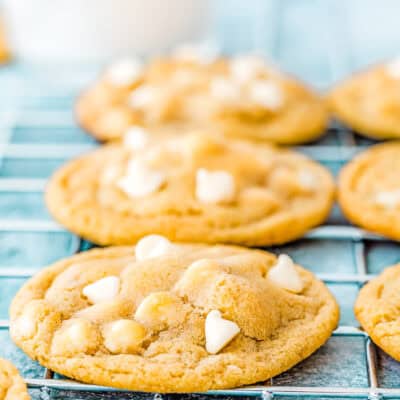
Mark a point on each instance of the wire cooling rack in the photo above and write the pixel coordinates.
(37, 134)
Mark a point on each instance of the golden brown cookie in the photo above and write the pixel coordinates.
(239, 97)
(377, 310)
(369, 101)
(12, 386)
(166, 317)
(191, 188)
(369, 190)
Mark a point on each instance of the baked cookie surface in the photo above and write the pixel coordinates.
(166, 317)
(12, 386)
(369, 101)
(193, 189)
(377, 310)
(369, 190)
(239, 97)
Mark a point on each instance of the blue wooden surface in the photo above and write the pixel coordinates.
(317, 40)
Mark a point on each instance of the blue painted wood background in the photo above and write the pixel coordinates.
(319, 40)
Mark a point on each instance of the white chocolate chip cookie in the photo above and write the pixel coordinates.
(196, 188)
(241, 96)
(12, 386)
(369, 101)
(369, 189)
(194, 318)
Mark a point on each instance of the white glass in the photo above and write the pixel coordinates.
(99, 30)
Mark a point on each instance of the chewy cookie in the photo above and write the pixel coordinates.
(239, 97)
(377, 310)
(12, 386)
(369, 190)
(191, 188)
(168, 317)
(369, 101)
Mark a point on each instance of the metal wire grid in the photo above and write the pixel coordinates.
(345, 148)
(347, 145)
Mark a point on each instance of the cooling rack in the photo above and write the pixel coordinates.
(38, 133)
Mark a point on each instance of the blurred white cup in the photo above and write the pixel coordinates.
(99, 30)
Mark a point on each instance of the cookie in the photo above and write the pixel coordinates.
(4, 51)
(192, 188)
(377, 310)
(368, 101)
(167, 317)
(238, 97)
(12, 386)
(369, 190)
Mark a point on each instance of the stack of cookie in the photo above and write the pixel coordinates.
(191, 173)
(172, 305)
(369, 187)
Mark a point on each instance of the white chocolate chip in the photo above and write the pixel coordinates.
(202, 265)
(225, 90)
(76, 332)
(142, 97)
(196, 274)
(104, 289)
(307, 179)
(123, 336)
(219, 331)
(285, 275)
(141, 180)
(76, 335)
(152, 246)
(267, 94)
(393, 68)
(80, 336)
(214, 186)
(124, 72)
(246, 68)
(25, 326)
(161, 309)
(136, 138)
(388, 199)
